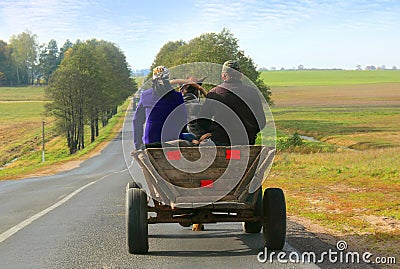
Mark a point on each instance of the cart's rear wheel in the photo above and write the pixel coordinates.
(136, 221)
(255, 227)
(274, 226)
(185, 224)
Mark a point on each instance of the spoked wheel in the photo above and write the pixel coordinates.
(136, 221)
(274, 226)
(255, 227)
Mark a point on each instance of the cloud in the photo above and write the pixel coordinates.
(70, 19)
(273, 15)
(256, 14)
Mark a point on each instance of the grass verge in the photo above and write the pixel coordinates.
(57, 154)
(353, 194)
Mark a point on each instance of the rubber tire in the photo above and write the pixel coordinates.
(255, 227)
(132, 184)
(185, 224)
(274, 224)
(136, 221)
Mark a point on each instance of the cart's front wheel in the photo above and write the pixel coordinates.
(136, 221)
(255, 227)
(274, 225)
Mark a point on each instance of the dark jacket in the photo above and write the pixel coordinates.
(221, 105)
(193, 107)
(154, 111)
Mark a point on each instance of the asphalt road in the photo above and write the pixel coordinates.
(76, 219)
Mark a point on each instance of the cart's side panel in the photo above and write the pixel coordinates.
(182, 177)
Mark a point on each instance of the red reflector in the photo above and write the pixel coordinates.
(207, 183)
(174, 155)
(233, 154)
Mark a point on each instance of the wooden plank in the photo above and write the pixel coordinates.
(202, 199)
(164, 164)
(152, 177)
(247, 177)
(270, 153)
(193, 153)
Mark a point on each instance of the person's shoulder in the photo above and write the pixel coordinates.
(218, 89)
(175, 95)
(147, 92)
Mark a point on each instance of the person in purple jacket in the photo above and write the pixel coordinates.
(154, 108)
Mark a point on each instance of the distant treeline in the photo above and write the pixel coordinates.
(301, 67)
(24, 62)
(87, 80)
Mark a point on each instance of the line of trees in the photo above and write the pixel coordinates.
(24, 62)
(90, 82)
(213, 48)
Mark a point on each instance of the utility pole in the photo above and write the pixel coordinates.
(43, 123)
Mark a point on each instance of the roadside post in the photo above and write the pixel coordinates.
(43, 123)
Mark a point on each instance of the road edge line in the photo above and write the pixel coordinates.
(13, 230)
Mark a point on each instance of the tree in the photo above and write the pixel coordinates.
(5, 64)
(167, 54)
(67, 45)
(65, 93)
(49, 59)
(92, 80)
(24, 55)
(213, 48)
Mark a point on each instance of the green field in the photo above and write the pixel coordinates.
(353, 127)
(21, 115)
(22, 94)
(332, 77)
(349, 182)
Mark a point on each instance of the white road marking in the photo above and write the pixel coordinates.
(10, 232)
(13, 230)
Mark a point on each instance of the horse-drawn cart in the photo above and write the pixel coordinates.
(190, 185)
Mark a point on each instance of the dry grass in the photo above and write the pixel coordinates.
(352, 194)
(380, 94)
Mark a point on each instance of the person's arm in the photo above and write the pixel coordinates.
(189, 82)
(138, 120)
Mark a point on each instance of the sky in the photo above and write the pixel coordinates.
(315, 34)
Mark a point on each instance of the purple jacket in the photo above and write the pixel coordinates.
(154, 111)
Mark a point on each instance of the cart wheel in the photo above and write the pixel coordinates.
(132, 184)
(185, 224)
(255, 227)
(274, 226)
(136, 221)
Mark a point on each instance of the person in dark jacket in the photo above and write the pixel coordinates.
(154, 107)
(228, 102)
